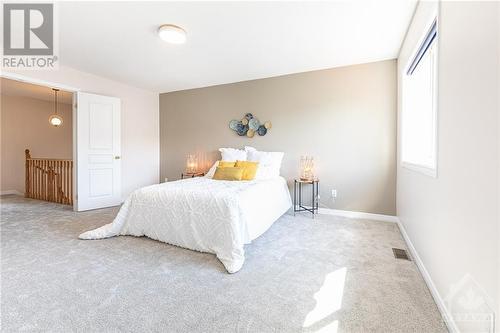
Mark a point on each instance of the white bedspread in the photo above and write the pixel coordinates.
(202, 214)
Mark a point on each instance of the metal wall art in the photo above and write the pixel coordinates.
(249, 125)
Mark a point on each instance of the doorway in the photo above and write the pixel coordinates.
(36, 142)
(90, 178)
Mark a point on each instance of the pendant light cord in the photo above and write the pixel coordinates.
(55, 100)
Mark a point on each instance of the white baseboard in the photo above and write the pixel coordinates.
(450, 323)
(7, 192)
(359, 215)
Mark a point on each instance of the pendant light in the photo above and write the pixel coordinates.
(55, 119)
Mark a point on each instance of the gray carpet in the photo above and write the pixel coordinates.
(325, 275)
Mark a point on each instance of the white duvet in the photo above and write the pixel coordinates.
(202, 214)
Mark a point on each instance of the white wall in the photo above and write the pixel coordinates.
(140, 122)
(498, 167)
(452, 220)
(498, 164)
(25, 125)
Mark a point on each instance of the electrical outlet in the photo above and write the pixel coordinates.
(334, 194)
(166, 179)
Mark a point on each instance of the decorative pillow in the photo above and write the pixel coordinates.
(226, 164)
(250, 169)
(231, 154)
(269, 162)
(210, 173)
(233, 173)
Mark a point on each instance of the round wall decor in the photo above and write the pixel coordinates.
(249, 125)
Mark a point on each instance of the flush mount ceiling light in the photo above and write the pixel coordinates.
(55, 119)
(172, 34)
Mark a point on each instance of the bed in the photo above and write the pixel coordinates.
(202, 214)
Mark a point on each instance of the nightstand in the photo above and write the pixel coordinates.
(192, 175)
(298, 206)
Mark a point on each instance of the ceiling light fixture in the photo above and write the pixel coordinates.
(55, 119)
(172, 34)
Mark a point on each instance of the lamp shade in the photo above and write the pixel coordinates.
(307, 168)
(192, 164)
(55, 120)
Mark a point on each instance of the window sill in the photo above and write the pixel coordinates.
(431, 172)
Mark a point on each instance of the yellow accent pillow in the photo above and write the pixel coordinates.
(230, 173)
(225, 164)
(250, 169)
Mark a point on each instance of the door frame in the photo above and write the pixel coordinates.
(73, 90)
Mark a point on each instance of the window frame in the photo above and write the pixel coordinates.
(421, 168)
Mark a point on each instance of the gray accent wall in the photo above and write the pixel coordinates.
(345, 117)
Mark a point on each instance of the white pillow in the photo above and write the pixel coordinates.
(269, 162)
(210, 173)
(233, 155)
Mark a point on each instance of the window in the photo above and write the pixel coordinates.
(419, 107)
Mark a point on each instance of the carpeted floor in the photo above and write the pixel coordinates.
(325, 275)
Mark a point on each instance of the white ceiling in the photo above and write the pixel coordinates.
(23, 89)
(227, 41)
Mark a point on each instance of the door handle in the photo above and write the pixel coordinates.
(117, 157)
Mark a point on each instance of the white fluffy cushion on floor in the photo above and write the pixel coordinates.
(269, 162)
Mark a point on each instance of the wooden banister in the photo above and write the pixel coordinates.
(49, 179)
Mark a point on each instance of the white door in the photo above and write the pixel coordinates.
(97, 151)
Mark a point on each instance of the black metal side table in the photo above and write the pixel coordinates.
(298, 206)
(192, 175)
